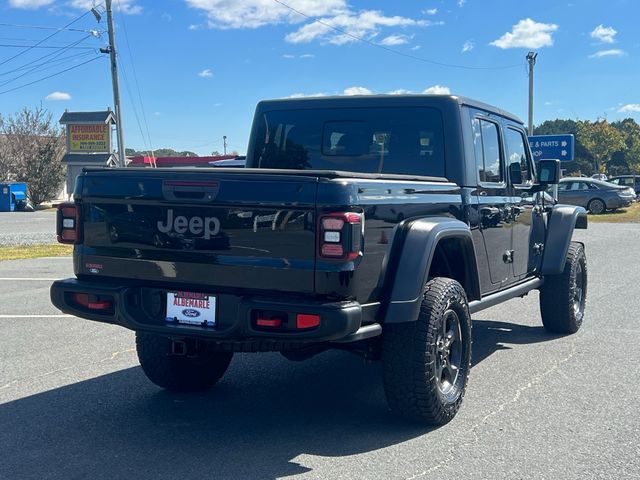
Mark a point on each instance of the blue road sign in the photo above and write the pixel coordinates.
(552, 146)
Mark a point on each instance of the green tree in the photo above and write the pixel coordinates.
(601, 140)
(31, 152)
(630, 156)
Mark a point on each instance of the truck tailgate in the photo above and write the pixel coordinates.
(207, 228)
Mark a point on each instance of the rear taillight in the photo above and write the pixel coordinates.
(340, 235)
(68, 223)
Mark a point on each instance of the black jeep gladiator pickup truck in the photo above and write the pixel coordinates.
(376, 224)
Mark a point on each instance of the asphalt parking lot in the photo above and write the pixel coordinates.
(27, 228)
(75, 404)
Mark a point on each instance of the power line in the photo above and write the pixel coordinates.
(57, 61)
(133, 106)
(70, 46)
(391, 50)
(39, 46)
(47, 66)
(43, 27)
(135, 76)
(53, 55)
(45, 39)
(50, 76)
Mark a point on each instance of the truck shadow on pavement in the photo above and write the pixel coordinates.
(489, 336)
(255, 424)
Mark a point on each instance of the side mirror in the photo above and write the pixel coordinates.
(548, 172)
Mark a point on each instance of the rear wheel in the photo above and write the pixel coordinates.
(596, 206)
(563, 296)
(427, 361)
(197, 367)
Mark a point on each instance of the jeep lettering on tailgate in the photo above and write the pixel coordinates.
(209, 226)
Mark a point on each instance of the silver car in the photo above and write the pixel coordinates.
(594, 195)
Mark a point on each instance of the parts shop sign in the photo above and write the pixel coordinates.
(91, 138)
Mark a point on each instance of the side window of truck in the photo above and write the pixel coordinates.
(486, 140)
(519, 162)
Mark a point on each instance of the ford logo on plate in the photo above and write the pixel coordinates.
(189, 312)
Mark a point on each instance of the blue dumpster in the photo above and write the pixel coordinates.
(13, 196)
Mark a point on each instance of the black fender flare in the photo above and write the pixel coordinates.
(563, 219)
(420, 240)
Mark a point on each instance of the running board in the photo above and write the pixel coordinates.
(499, 297)
(367, 331)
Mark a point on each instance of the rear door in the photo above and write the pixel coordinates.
(251, 231)
(492, 199)
(528, 229)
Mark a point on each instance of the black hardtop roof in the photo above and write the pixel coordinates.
(405, 100)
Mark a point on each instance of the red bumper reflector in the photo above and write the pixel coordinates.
(268, 322)
(332, 250)
(83, 300)
(304, 320)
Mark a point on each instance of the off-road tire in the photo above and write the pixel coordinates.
(597, 206)
(563, 296)
(200, 369)
(411, 356)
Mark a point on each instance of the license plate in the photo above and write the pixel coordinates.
(191, 308)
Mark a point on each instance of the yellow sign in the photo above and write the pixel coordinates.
(93, 138)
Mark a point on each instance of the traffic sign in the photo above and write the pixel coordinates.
(552, 146)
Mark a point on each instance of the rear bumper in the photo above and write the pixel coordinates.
(142, 308)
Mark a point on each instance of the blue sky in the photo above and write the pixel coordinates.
(201, 65)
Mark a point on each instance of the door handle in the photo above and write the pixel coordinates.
(489, 211)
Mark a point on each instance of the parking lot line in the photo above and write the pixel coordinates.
(37, 316)
(29, 279)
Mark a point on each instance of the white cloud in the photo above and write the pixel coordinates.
(604, 34)
(467, 47)
(392, 40)
(461, 3)
(614, 52)
(437, 90)
(630, 108)
(206, 73)
(304, 95)
(58, 96)
(400, 91)
(364, 24)
(430, 11)
(193, 27)
(527, 33)
(257, 13)
(304, 55)
(416, 47)
(334, 14)
(30, 4)
(357, 91)
(125, 6)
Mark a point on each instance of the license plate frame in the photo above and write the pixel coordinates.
(191, 308)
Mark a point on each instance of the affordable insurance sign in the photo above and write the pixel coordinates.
(89, 138)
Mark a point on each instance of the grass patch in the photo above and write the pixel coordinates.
(20, 252)
(624, 215)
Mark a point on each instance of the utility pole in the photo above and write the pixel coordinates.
(116, 86)
(531, 59)
(224, 140)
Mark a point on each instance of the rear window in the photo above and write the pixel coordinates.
(370, 140)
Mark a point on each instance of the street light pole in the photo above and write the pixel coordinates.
(531, 59)
(116, 87)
